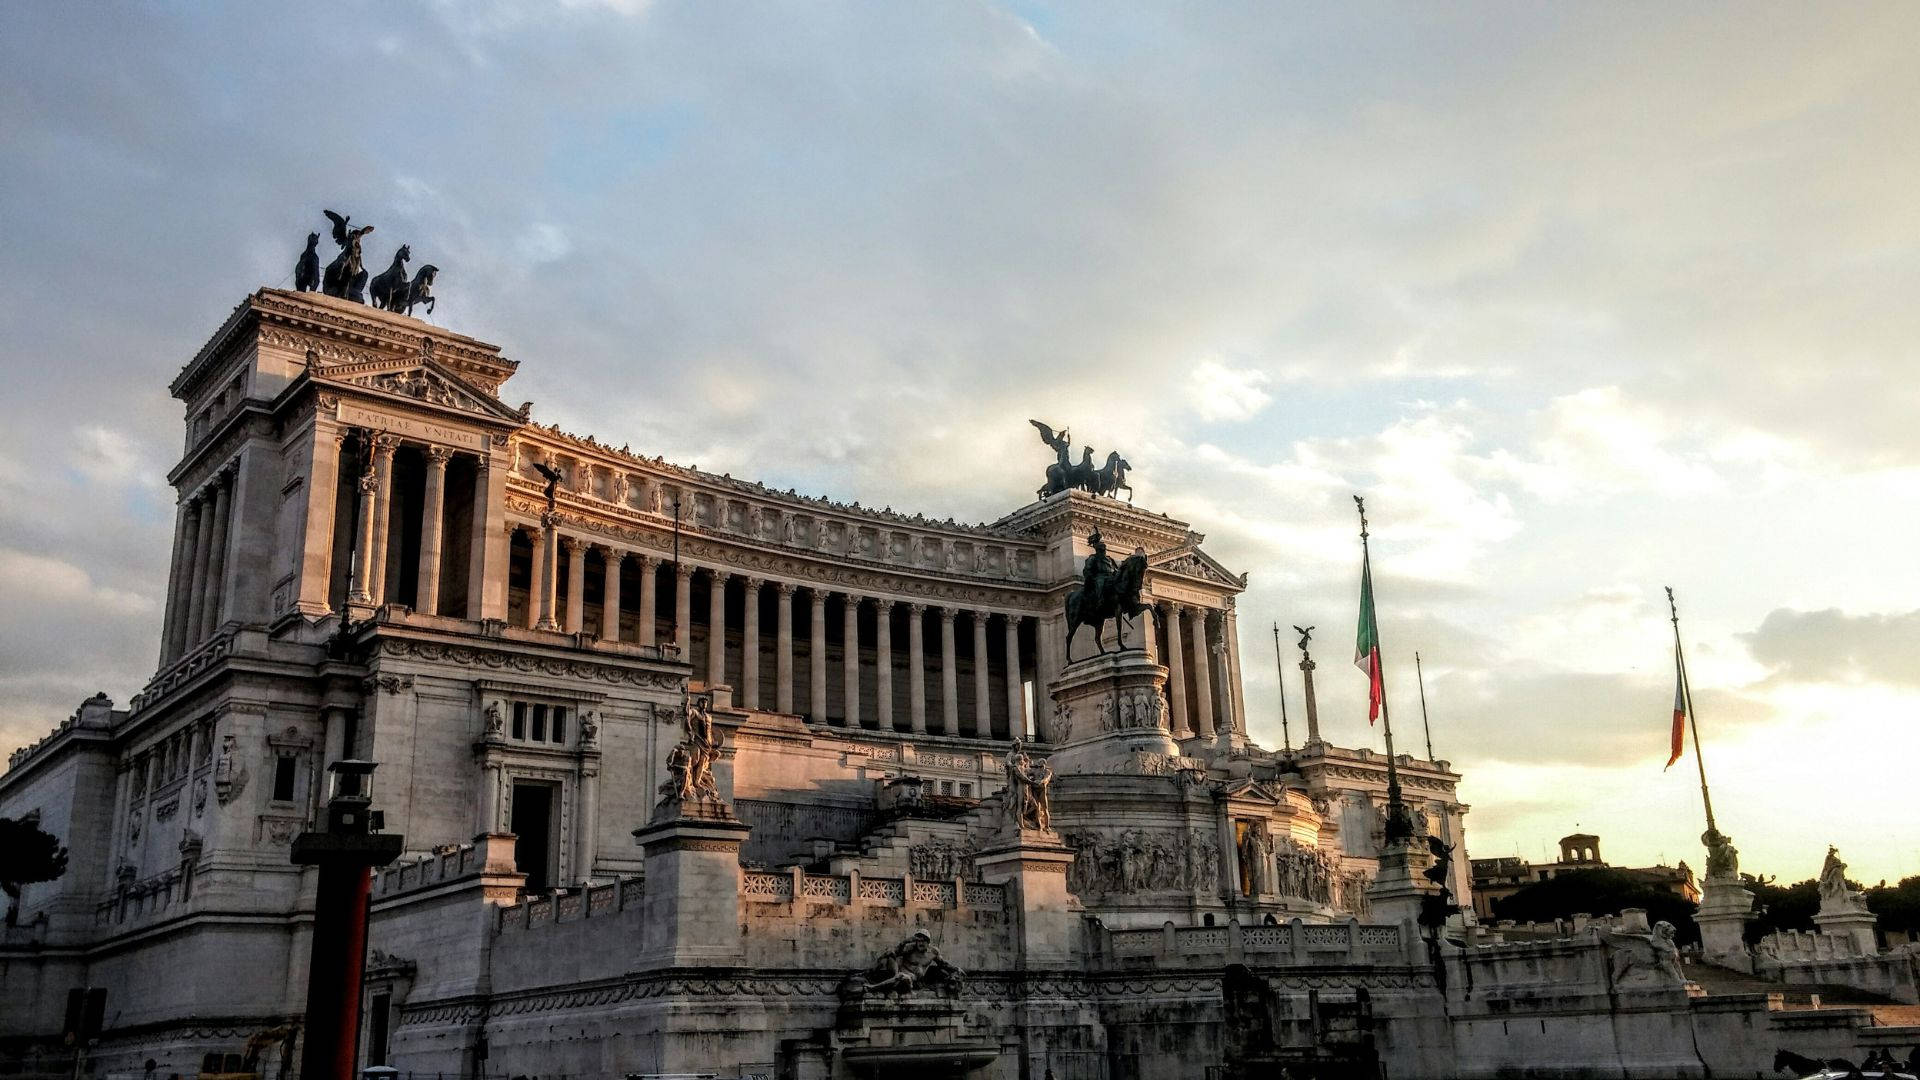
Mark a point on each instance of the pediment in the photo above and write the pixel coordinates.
(1189, 561)
(1247, 790)
(417, 379)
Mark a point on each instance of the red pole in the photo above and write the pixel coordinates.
(337, 966)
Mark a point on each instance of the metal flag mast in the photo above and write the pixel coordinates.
(1693, 722)
(1399, 826)
(1280, 676)
(1424, 726)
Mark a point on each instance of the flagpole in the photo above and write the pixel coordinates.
(1398, 826)
(1424, 726)
(1280, 670)
(1693, 722)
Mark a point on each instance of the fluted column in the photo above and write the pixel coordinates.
(716, 627)
(576, 583)
(383, 448)
(1202, 673)
(850, 655)
(917, 667)
(314, 591)
(817, 658)
(1177, 671)
(549, 571)
(883, 664)
(180, 584)
(536, 573)
(783, 647)
(649, 599)
(432, 509)
(211, 615)
(610, 594)
(1230, 634)
(490, 549)
(949, 676)
(749, 695)
(362, 591)
(683, 608)
(982, 688)
(1016, 696)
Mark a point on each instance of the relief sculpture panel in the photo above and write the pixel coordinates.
(1130, 861)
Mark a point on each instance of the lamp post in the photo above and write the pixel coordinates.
(346, 850)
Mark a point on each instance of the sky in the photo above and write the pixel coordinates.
(1585, 299)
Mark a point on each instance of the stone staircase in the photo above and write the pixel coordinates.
(1720, 982)
(885, 851)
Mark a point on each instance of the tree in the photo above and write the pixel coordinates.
(27, 854)
(1780, 907)
(1605, 891)
(1897, 905)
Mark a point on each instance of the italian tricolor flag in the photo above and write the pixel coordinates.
(1679, 709)
(1366, 648)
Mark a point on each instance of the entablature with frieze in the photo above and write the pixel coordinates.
(475, 657)
(841, 574)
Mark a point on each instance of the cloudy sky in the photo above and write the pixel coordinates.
(1587, 300)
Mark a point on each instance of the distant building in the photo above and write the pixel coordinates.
(1494, 879)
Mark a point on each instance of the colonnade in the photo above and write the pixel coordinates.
(373, 581)
(1201, 641)
(1002, 676)
(197, 581)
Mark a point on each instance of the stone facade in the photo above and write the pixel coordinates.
(368, 563)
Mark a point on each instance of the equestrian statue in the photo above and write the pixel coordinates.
(389, 290)
(346, 275)
(1106, 591)
(1066, 474)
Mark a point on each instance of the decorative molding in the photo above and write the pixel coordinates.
(502, 660)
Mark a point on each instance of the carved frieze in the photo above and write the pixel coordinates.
(1131, 861)
(494, 660)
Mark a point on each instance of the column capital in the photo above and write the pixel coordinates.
(384, 444)
(437, 456)
(749, 582)
(611, 553)
(916, 609)
(684, 571)
(785, 588)
(850, 600)
(574, 544)
(717, 575)
(643, 558)
(947, 613)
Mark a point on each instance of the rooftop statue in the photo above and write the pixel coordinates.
(389, 289)
(306, 272)
(1105, 592)
(1065, 474)
(346, 277)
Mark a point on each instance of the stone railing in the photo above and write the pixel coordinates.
(190, 664)
(571, 905)
(1808, 945)
(1295, 942)
(138, 902)
(782, 887)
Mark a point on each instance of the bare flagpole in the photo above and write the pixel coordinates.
(1280, 668)
(1424, 726)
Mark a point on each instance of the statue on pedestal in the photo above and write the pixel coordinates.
(1064, 474)
(690, 764)
(1029, 783)
(1723, 859)
(1835, 894)
(1106, 592)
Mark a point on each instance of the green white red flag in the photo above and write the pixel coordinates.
(1679, 710)
(1366, 649)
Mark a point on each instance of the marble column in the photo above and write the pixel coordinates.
(917, 667)
(586, 818)
(362, 591)
(850, 655)
(883, 663)
(982, 687)
(610, 593)
(486, 807)
(749, 695)
(180, 591)
(1202, 673)
(1016, 692)
(1177, 671)
(649, 598)
(213, 612)
(549, 571)
(576, 583)
(536, 568)
(1235, 688)
(817, 660)
(716, 627)
(783, 647)
(314, 591)
(491, 544)
(432, 510)
(949, 676)
(383, 448)
(683, 609)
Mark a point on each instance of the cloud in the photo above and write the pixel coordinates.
(1220, 393)
(1833, 646)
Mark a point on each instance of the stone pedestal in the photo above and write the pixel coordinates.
(1110, 717)
(1032, 865)
(1400, 890)
(1725, 907)
(1846, 922)
(692, 897)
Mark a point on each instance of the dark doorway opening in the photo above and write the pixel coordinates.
(533, 829)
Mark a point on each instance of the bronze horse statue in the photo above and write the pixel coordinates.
(306, 272)
(389, 290)
(346, 278)
(1115, 595)
(420, 291)
(1112, 476)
